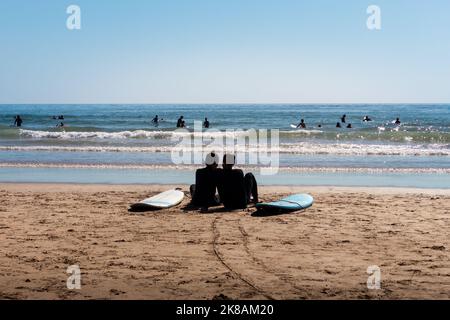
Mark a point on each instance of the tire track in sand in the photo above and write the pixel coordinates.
(227, 265)
(294, 288)
(230, 246)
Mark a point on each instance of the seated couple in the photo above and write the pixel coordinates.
(236, 191)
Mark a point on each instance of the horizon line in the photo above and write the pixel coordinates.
(226, 103)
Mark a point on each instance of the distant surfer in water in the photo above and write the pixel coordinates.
(18, 121)
(155, 120)
(367, 119)
(397, 121)
(180, 122)
(338, 125)
(343, 118)
(302, 124)
(60, 125)
(349, 126)
(206, 123)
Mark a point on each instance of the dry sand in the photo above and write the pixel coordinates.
(321, 253)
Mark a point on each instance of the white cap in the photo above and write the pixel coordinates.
(211, 158)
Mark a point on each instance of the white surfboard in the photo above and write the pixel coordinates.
(163, 200)
(293, 126)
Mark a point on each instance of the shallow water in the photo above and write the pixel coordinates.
(182, 177)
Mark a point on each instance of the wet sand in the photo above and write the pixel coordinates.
(180, 253)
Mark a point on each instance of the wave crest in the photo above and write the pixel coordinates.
(342, 135)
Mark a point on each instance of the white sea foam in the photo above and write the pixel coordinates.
(246, 167)
(301, 148)
(382, 134)
(69, 135)
(137, 134)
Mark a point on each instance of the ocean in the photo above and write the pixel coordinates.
(120, 144)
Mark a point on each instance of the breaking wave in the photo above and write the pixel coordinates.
(389, 135)
(247, 167)
(301, 148)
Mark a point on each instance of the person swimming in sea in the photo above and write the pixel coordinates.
(302, 124)
(349, 126)
(155, 120)
(206, 123)
(343, 118)
(18, 121)
(366, 119)
(61, 117)
(397, 121)
(60, 125)
(338, 125)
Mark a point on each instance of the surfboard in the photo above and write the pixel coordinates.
(291, 203)
(163, 200)
(305, 131)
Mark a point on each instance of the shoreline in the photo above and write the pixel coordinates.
(264, 189)
(296, 169)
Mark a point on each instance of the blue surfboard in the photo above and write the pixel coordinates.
(292, 203)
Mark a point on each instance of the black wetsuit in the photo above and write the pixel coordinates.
(18, 122)
(235, 189)
(204, 190)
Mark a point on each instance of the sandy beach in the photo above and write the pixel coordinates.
(320, 253)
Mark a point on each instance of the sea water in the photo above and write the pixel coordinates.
(120, 144)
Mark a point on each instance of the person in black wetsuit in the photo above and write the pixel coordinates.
(302, 124)
(338, 125)
(155, 120)
(180, 122)
(18, 121)
(236, 190)
(206, 123)
(343, 118)
(203, 192)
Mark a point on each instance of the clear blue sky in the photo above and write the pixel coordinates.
(194, 51)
